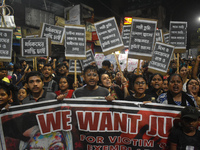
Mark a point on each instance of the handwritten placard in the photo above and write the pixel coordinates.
(109, 36)
(75, 42)
(72, 66)
(99, 57)
(6, 36)
(35, 47)
(159, 35)
(126, 35)
(166, 38)
(89, 59)
(178, 36)
(55, 33)
(142, 38)
(161, 57)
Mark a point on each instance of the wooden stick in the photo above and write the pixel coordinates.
(174, 56)
(47, 59)
(75, 73)
(35, 63)
(127, 63)
(177, 62)
(138, 66)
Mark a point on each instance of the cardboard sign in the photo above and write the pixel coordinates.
(72, 67)
(99, 57)
(166, 38)
(109, 36)
(6, 38)
(126, 35)
(161, 57)
(35, 47)
(75, 42)
(142, 39)
(55, 33)
(178, 36)
(159, 35)
(89, 59)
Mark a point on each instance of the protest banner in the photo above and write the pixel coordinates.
(142, 38)
(99, 57)
(55, 33)
(75, 42)
(35, 47)
(161, 58)
(166, 38)
(75, 66)
(89, 59)
(6, 40)
(132, 64)
(109, 36)
(159, 35)
(178, 36)
(82, 124)
(126, 31)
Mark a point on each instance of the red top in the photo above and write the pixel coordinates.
(69, 94)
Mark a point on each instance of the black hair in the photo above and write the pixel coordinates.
(60, 65)
(34, 73)
(188, 84)
(170, 77)
(90, 67)
(106, 63)
(65, 77)
(66, 60)
(153, 75)
(182, 67)
(100, 75)
(16, 66)
(48, 65)
(6, 87)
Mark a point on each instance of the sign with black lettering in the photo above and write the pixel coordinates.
(109, 36)
(35, 47)
(6, 38)
(126, 35)
(161, 57)
(89, 59)
(55, 33)
(142, 38)
(159, 35)
(178, 36)
(72, 66)
(166, 38)
(75, 42)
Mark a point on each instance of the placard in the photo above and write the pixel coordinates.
(6, 39)
(72, 67)
(35, 47)
(109, 36)
(89, 59)
(178, 36)
(99, 57)
(142, 38)
(126, 31)
(166, 38)
(75, 42)
(55, 33)
(159, 35)
(161, 57)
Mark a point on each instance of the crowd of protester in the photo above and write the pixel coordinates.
(21, 84)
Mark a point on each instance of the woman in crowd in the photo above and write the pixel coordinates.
(155, 85)
(165, 85)
(175, 95)
(17, 76)
(22, 93)
(192, 88)
(183, 71)
(64, 91)
(5, 94)
(139, 85)
(115, 91)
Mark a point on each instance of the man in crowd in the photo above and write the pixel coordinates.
(35, 82)
(49, 84)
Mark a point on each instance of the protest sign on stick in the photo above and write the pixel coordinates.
(6, 40)
(75, 42)
(89, 59)
(126, 35)
(142, 38)
(161, 58)
(166, 38)
(178, 36)
(159, 35)
(109, 36)
(55, 33)
(73, 67)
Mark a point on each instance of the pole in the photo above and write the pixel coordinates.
(138, 66)
(75, 73)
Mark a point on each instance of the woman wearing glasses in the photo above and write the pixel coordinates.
(139, 86)
(175, 95)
